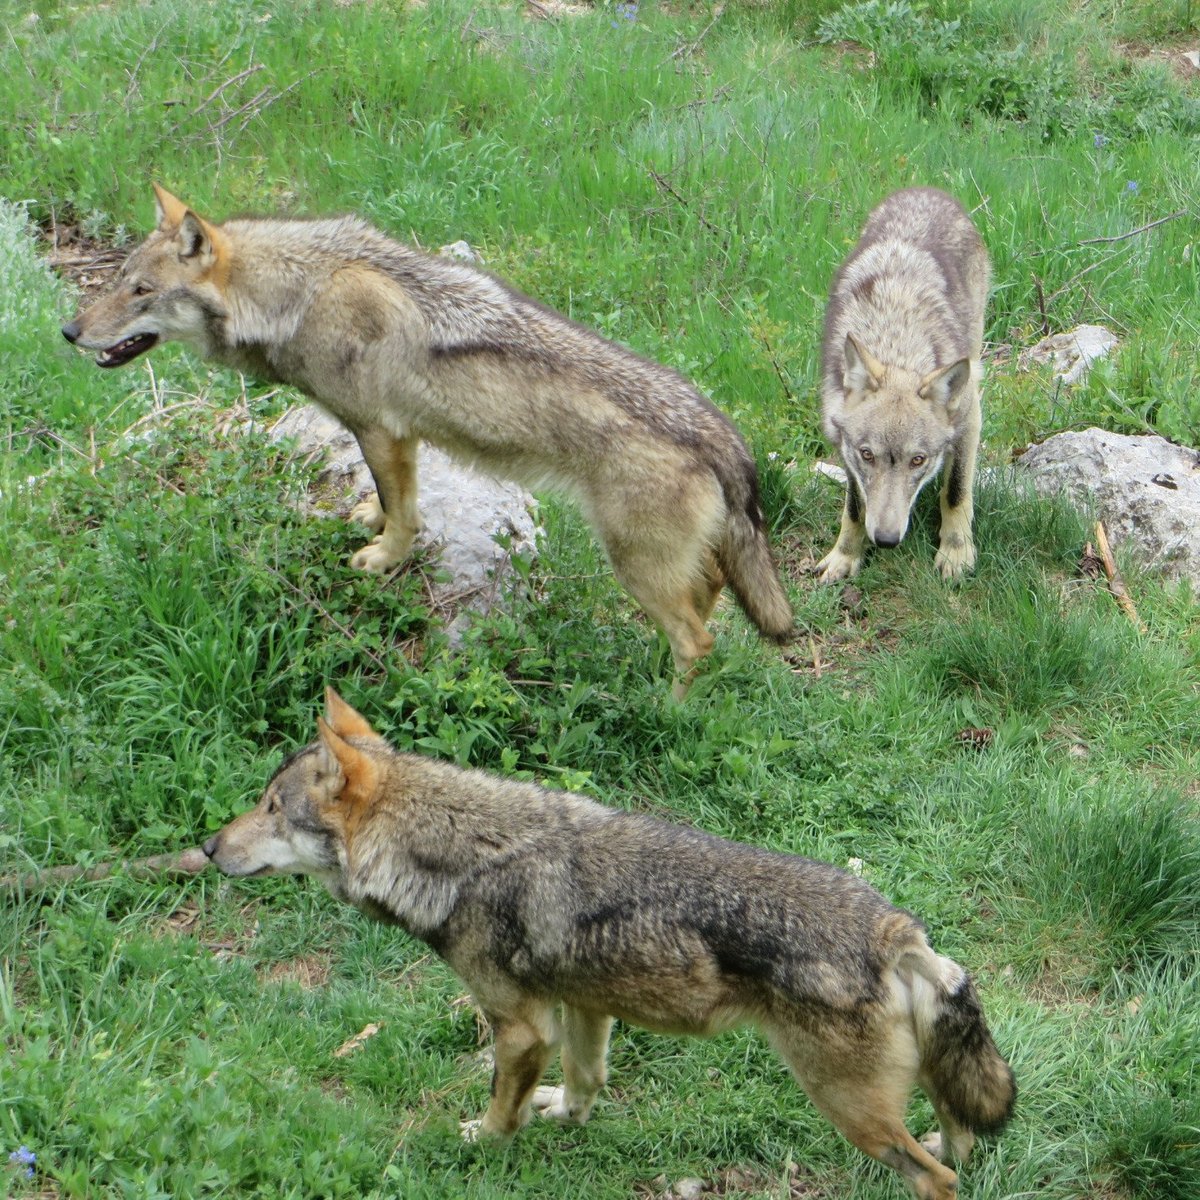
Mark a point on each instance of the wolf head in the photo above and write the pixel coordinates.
(893, 429)
(299, 825)
(170, 287)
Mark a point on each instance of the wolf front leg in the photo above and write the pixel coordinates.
(956, 548)
(524, 1046)
(392, 512)
(843, 561)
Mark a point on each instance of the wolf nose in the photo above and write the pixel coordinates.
(887, 540)
(210, 847)
(71, 331)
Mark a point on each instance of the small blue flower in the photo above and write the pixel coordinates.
(22, 1156)
(1132, 186)
(627, 9)
(1099, 141)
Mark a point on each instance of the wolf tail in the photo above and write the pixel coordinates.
(960, 1066)
(745, 558)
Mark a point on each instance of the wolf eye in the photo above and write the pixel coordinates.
(867, 456)
(142, 289)
(272, 806)
(917, 460)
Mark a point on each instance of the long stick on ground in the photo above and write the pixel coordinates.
(190, 862)
(1116, 584)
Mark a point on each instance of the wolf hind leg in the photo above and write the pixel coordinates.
(864, 1094)
(585, 1067)
(524, 1046)
(951, 1141)
(676, 615)
(393, 465)
(707, 589)
(846, 556)
(668, 573)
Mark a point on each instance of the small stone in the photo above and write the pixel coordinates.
(463, 251)
(1071, 354)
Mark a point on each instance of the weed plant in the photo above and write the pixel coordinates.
(1008, 758)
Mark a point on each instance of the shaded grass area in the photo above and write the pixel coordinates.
(167, 620)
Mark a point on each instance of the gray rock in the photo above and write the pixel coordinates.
(1145, 489)
(1071, 354)
(463, 251)
(461, 510)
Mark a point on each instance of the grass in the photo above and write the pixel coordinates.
(685, 181)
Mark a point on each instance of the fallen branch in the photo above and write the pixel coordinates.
(1120, 237)
(1116, 584)
(665, 185)
(692, 47)
(190, 862)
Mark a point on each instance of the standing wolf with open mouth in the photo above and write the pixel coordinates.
(542, 901)
(901, 371)
(402, 346)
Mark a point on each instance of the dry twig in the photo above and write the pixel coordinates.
(1120, 237)
(1116, 584)
(190, 862)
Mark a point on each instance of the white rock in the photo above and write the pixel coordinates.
(1145, 489)
(1071, 354)
(461, 250)
(461, 510)
(830, 471)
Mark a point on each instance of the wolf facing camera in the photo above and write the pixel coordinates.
(901, 374)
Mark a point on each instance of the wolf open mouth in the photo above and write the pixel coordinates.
(123, 351)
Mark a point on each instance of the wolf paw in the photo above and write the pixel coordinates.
(471, 1131)
(369, 513)
(931, 1143)
(955, 558)
(837, 565)
(375, 558)
(551, 1103)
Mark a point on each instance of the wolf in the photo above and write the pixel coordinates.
(402, 346)
(561, 914)
(901, 374)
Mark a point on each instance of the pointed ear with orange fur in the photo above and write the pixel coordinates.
(343, 719)
(169, 209)
(360, 770)
(197, 238)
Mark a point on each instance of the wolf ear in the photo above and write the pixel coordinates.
(169, 209)
(343, 719)
(360, 770)
(862, 372)
(947, 386)
(196, 238)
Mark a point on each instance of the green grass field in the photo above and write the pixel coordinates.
(685, 180)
